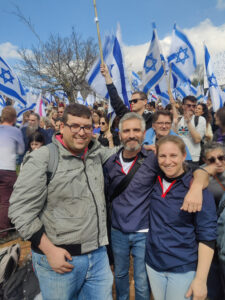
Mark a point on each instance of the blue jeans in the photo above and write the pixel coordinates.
(122, 245)
(168, 285)
(90, 279)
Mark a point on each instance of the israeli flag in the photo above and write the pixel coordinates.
(90, 100)
(182, 58)
(153, 70)
(214, 89)
(113, 58)
(135, 81)
(200, 93)
(80, 99)
(10, 85)
(2, 104)
(185, 89)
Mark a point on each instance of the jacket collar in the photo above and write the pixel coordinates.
(143, 153)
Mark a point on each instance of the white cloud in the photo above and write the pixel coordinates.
(213, 36)
(220, 4)
(8, 50)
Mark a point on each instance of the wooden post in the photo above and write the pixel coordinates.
(98, 32)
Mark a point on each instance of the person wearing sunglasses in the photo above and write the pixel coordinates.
(219, 135)
(108, 137)
(137, 102)
(214, 154)
(189, 130)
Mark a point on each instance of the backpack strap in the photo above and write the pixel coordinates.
(126, 180)
(53, 161)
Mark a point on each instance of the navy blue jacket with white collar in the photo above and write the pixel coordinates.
(173, 237)
(130, 210)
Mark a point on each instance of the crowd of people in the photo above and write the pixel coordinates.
(151, 184)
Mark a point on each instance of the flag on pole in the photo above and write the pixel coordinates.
(90, 100)
(214, 89)
(113, 58)
(10, 85)
(153, 70)
(182, 58)
(135, 81)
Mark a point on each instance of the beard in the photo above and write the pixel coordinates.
(135, 148)
(31, 129)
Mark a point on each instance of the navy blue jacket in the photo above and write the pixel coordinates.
(172, 241)
(130, 210)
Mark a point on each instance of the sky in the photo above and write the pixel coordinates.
(202, 20)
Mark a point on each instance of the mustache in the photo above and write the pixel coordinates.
(131, 139)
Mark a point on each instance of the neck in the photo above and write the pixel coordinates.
(7, 124)
(141, 111)
(130, 154)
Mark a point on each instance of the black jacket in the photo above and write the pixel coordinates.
(121, 109)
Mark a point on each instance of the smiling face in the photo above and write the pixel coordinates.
(162, 126)
(198, 110)
(170, 159)
(132, 135)
(76, 142)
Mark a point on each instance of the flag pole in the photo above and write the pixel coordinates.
(98, 32)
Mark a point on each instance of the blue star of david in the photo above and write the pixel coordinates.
(110, 69)
(135, 84)
(149, 64)
(182, 55)
(6, 76)
(212, 80)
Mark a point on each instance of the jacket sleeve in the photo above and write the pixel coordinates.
(116, 102)
(30, 193)
(206, 219)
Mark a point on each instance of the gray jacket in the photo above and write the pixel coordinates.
(72, 207)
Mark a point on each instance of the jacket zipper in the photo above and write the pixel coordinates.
(94, 202)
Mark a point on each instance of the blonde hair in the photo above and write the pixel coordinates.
(172, 139)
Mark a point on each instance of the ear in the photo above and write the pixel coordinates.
(145, 101)
(153, 126)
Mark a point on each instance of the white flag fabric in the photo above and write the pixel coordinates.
(182, 58)
(40, 106)
(80, 99)
(10, 84)
(153, 70)
(214, 89)
(90, 100)
(113, 58)
(185, 89)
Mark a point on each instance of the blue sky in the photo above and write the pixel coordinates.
(135, 17)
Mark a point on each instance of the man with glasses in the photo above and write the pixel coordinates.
(65, 220)
(137, 102)
(189, 130)
(161, 126)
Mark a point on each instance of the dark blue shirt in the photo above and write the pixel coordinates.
(173, 237)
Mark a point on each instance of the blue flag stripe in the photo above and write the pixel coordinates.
(12, 93)
(154, 80)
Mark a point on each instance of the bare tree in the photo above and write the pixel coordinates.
(59, 63)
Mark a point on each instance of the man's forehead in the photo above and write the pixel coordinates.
(164, 118)
(132, 123)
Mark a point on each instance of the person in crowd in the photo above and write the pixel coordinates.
(61, 108)
(53, 116)
(161, 126)
(96, 121)
(219, 134)
(107, 137)
(180, 246)
(33, 126)
(152, 106)
(202, 110)
(190, 128)
(66, 219)
(137, 102)
(57, 124)
(129, 217)
(25, 119)
(11, 145)
(214, 153)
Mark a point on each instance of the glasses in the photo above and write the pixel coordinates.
(191, 105)
(135, 100)
(102, 123)
(75, 128)
(213, 159)
(164, 123)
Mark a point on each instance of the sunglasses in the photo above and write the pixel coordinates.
(135, 100)
(102, 123)
(212, 159)
(191, 105)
